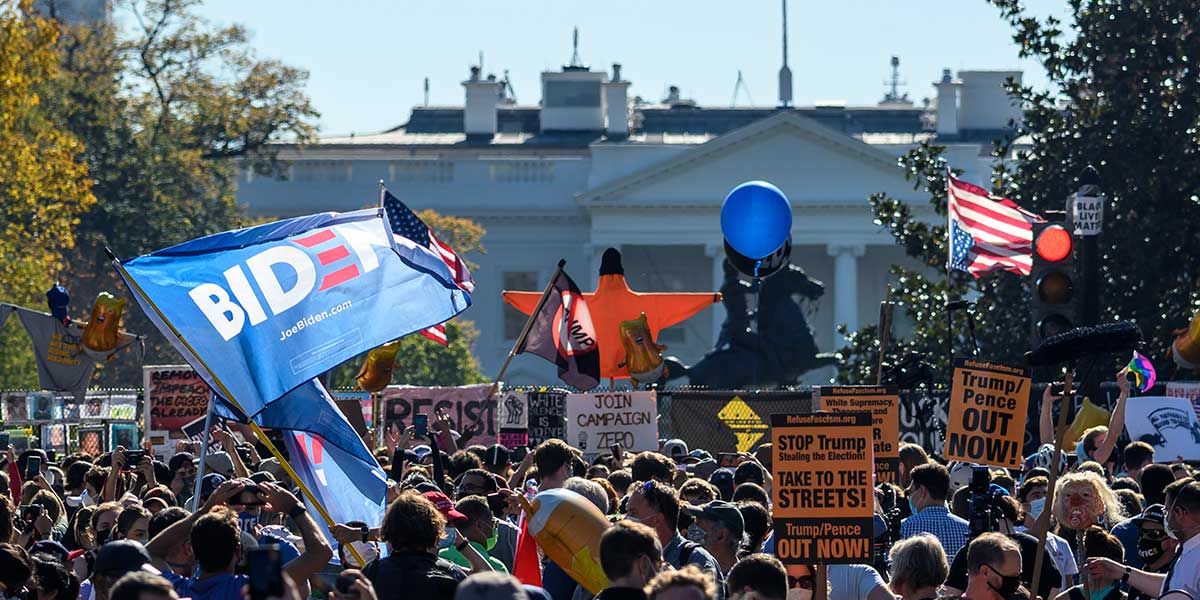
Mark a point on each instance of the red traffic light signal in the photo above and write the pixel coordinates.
(1053, 243)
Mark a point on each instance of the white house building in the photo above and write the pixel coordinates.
(589, 167)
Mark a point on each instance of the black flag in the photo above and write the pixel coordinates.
(562, 333)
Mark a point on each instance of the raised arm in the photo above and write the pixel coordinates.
(317, 552)
(1046, 418)
(176, 533)
(1116, 423)
(230, 446)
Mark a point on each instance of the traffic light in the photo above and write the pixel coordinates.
(1055, 291)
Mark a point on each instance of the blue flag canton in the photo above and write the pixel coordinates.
(961, 243)
(404, 221)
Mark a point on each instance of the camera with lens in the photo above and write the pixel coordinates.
(887, 524)
(983, 502)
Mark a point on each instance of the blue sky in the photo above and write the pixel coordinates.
(367, 59)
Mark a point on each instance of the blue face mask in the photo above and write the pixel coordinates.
(1080, 453)
(1036, 507)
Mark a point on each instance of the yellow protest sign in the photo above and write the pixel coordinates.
(884, 405)
(987, 414)
(822, 493)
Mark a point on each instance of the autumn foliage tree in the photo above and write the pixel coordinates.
(44, 183)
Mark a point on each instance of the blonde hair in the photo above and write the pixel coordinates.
(1110, 506)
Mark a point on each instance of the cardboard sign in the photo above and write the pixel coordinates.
(546, 410)
(513, 410)
(1087, 214)
(988, 413)
(823, 496)
(884, 405)
(1168, 424)
(597, 421)
(175, 396)
(472, 413)
(514, 438)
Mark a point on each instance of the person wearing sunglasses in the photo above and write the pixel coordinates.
(993, 568)
(1155, 548)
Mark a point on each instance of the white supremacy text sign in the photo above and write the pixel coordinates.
(597, 421)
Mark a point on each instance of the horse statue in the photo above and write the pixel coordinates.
(778, 352)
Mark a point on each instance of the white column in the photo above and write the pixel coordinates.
(717, 253)
(845, 285)
(593, 252)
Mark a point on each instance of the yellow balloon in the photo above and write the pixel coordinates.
(1186, 347)
(567, 527)
(102, 332)
(1089, 416)
(643, 357)
(376, 372)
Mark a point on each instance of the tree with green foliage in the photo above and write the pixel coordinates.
(421, 361)
(44, 183)
(170, 111)
(1123, 99)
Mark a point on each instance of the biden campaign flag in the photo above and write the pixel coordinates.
(262, 310)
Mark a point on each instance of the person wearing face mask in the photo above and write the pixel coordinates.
(718, 528)
(993, 568)
(1032, 496)
(104, 520)
(478, 529)
(630, 556)
(927, 490)
(1098, 585)
(1155, 550)
(1182, 523)
(656, 505)
(1005, 511)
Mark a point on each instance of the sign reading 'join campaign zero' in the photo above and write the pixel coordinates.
(823, 493)
(595, 422)
(884, 405)
(987, 415)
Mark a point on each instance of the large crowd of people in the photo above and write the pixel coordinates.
(129, 525)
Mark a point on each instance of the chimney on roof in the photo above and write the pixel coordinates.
(616, 104)
(947, 104)
(984, 104)
(479, 111)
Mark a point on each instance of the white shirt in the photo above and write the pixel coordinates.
(1060, 553)
(1185, 575)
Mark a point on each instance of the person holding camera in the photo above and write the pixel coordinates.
(998, 512)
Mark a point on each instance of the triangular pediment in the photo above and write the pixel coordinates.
(810, 162)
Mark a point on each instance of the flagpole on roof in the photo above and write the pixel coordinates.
(258, 432)
(520, 343)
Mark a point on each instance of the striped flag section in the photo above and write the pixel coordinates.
(987, 233)
(406, 223)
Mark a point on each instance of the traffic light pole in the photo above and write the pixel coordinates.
(1089, 272)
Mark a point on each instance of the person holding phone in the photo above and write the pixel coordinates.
(215, 538)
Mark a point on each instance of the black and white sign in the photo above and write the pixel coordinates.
(1168, 424)
(1087, 214)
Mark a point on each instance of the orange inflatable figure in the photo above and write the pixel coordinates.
(102, 333)
(376, 372)
(567, 527)
(613, 302)
(1186, 347)
(643, 357)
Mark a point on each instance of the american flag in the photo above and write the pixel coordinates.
(406, 223)
(987, 233)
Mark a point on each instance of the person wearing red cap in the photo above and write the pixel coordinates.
(453, 538)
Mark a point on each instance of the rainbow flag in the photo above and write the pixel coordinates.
(1143, 371)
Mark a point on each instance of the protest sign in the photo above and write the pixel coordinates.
(15, 407)
(472, 413)
(823, 496)
(726, 421)
(884, 405)
(597, 421)
(1186, 389)
(175, 395)
(1168, 424)
(513, 410)
(545, 417)
(1087, 214)
(987, 414)
(514, 438)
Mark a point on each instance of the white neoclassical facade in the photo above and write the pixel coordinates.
(590, 168)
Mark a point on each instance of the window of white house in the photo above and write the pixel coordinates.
(421, 171)
(521, 171)
(321, 171)
(516, 281)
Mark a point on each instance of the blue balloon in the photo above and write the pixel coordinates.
(756, 219)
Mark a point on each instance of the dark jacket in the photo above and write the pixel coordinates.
(413, 575)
